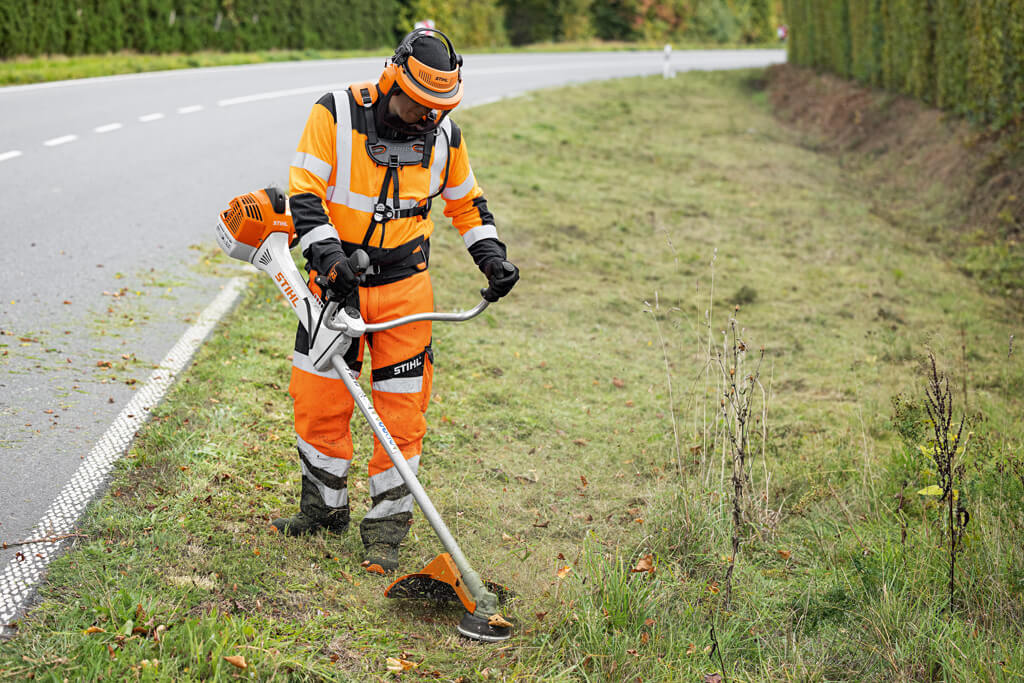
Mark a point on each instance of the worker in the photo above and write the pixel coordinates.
(368, 165)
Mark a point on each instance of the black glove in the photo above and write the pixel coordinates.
(338, 277)
(501, 278)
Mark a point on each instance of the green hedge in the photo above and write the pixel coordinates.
(96, 26)
(73, 27)
(962, 55)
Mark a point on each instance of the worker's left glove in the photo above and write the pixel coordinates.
(502, 276)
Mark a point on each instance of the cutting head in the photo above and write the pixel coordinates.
(440, 581)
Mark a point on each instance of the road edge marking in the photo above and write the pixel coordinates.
(19, 578)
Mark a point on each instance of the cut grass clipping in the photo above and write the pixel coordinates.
(583, 439)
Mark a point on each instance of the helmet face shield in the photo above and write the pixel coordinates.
(425, 124)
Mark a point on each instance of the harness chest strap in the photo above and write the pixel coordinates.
(398, 153)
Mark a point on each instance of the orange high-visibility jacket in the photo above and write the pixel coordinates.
(335, 186)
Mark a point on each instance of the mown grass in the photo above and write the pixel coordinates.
(43, 68)
(559, 459)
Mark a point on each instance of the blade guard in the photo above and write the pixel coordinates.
(440, 581)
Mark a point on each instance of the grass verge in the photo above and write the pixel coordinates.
(576, 445)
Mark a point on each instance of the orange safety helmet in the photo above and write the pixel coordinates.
(427, 85)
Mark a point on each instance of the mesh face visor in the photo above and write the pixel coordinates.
(428, 86)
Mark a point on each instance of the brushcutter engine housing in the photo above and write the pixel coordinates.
(257, 229)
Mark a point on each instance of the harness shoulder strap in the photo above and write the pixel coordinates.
(365, 94)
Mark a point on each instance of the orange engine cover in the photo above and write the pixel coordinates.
(253, 216)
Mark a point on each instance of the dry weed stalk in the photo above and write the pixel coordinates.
(736, 404)
(946, 450)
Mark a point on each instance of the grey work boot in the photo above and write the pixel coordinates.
(314, 514)
(382, 535)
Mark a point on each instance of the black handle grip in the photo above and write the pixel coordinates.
(359, 262)
(488, 293)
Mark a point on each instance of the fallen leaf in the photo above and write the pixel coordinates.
(784, 554)
(584, 480)
(541, 525)
(645, 564)
(540, 615)
(397, 665)
(648, 622)
(580, 442)
(712, 678)
(691, 649)
(932, 490)
(93, 629)
(498, 621)
(645, 638)
(633, 652)
(236, 660)
(713, 587)
(564, 571)
(618, 382)
(103, 364)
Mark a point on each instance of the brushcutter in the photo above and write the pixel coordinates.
(257, 229)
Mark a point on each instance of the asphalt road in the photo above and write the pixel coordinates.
(110, 188)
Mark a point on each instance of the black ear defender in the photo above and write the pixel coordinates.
(404, 49)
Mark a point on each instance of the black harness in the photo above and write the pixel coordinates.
(391, 265)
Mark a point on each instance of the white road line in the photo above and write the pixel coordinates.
(191, 73)
(21, 575)
(146, 118)
(10, 155)
(107, 127)
(191, 109)
(231, 101)
(53, 142)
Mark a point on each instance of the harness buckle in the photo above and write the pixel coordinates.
(382, 212)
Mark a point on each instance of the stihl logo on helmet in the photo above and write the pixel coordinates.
(437, 81)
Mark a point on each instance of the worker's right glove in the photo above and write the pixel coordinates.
(338, 277)
(502, 276)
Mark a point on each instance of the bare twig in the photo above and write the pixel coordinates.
(49, 539)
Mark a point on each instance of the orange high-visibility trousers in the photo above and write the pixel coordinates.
(402, 370)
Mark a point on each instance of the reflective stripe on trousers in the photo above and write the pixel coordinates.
(402, 370)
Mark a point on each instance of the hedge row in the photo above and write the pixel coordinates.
(97, 26)
(962, 55)
(74, 27)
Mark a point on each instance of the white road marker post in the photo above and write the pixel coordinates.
(666, 70)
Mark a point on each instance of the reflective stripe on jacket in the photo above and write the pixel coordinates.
(334, 184)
